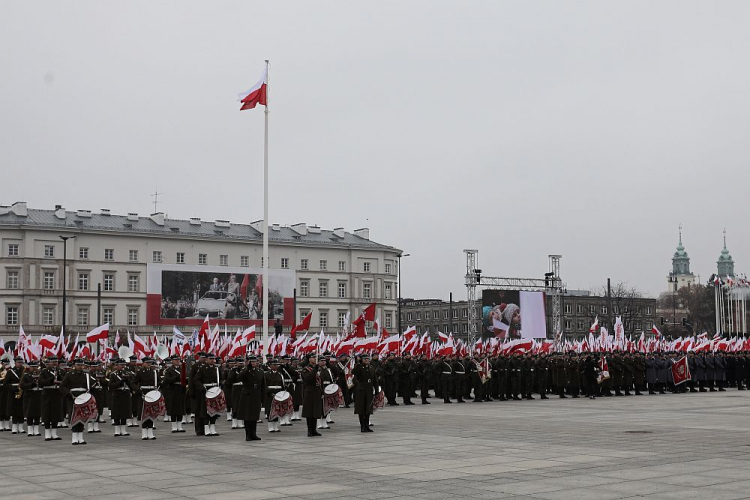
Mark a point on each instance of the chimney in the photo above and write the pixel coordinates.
(195, 221)
(276, 227)
(133, 216)
(19, 208)
(363, 233)
(59, 212)
(339, 232)
(105, 211)
(313, 229)
(84, 214)
(158, 218)
(222, 223)
(257, 225)
(300, 228)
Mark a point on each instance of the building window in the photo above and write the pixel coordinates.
(592, 309)
(637, 325)
(133, 255)
(342, 290)
(109, 254)
(604, 309)
(109, 315)
(419, 316)
(83, 253)
(48, 316)
(648, 310)
(323, 265)
(388, 320)
(455, 314)
(445, 315)
(367, 291)
(180, 257)
(464, 313)
(244, 261)
(568, 324)
(157, 257)
(83, 316)
(11, 315)
(133, 283)
(387, 268)
(568, 309)
(132, 317)
(13, 250)
(465, 328)
(202, 259)
(435, 314)
(303, 264)
(83, 282)
(262, 262)
(284, 263)
(366, 267)
(223, 260)
(579, 309)
(48, 282)
(304, 288)
(408, 317)
(12, 280)
(49, 251)
(323, 289)
(109, 282)
(342, 266)
(323, 319)
(342, 319)
(388, 291)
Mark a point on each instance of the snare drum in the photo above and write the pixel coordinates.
(152, 396)
(84, 409)
(216, 403)
(331, 389)
(213, 392)
(282, 396)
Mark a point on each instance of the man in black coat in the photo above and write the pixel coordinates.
(365, 377)
(253, 388)
(52, 409)
(312, 402)
(174, 393)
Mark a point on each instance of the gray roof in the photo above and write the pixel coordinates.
(47, 219)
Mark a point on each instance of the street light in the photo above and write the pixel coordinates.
(673, 279)
(65, 265)
(400, 330)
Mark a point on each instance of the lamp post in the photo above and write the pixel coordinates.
(673, 279)
(400, 330)
(64, 283)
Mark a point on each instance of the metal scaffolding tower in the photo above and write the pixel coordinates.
(551, 283)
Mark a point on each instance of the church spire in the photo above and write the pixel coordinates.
(680, 260)
(725, 264)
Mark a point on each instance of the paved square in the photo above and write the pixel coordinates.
(672, 446)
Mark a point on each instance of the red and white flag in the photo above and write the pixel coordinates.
(257, 94)
(98, 333)
(680, 371)
(655, 331)
(48, 341)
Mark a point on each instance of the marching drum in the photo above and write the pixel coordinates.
(281, 406)
(332, 398)
(216, 403)
(84, 409)
(153, 406)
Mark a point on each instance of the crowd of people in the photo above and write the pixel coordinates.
(136, 393)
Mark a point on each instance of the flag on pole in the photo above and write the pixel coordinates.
(98, 333)
(256, 94)
(680, 371)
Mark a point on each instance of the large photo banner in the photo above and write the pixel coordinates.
(510, 314)
(187, 294)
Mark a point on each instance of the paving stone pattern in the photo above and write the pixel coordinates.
(657, 447)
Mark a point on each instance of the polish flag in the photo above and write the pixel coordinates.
(655, 331)
(48, 341)
(257, 94)
(366, 344)
(204, 329)
(442, 337)
(139, 346)
(98, 333)
(410, 332)
(248, 334)
(303, 326)
(595, 326)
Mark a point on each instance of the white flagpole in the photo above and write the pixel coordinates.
(265, 215)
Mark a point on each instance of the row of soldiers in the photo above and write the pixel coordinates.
(45, 396)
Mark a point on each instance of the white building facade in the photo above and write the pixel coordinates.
(335, 272)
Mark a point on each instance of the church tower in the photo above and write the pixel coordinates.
(725, 264)
(680, 276)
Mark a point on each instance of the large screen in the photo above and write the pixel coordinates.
(510, 314)
(187, 294)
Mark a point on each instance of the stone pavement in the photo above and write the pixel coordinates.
(657, 447)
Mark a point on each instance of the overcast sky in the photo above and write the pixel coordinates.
(588, 129)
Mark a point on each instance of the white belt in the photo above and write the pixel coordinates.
(148, 387)
(237, 383)
(461, 373)
(14, 385)
(274, 387)
(51, 387)
(210, 385)
(447, 373)
(79, 389)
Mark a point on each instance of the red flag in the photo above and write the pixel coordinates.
(244, 286)
(98, 333)
(257, 94)
(655, 331)
(369, 312)
(303, 326)
(680, 371)
(203, 332)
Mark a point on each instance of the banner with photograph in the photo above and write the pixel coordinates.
(187, 294)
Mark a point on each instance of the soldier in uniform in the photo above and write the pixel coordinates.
(327, 378)
(627, 373)
(501, 368)
(207, 377)
(75, 383)
(253, 388)
(136, 399)
(542, 375)
(4, 412)
(274, 383)
(340, 371)
(406, 371)
(390, 372)
(52, 412)
(32, 398)
(528, 375)
(312, 406)
(146, 380)
(14, 408)
(652, 367)
(295, 371)
(445, 368)
(98, 391)
(226, 369)
(515, 366)
(233, 384)
(120, 388)
(366, 384)
(559, 374)
(639, 373)
(575, 372)
(194, 394)
(174, 393)
(423, 371)
(459, 374)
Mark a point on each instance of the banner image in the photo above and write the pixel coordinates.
(510, 314)
(222, 294)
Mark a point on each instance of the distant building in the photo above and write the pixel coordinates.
(725, 264)
(680, 276)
